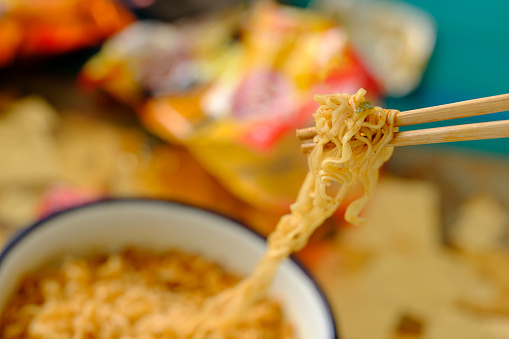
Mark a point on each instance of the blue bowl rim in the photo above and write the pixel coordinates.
(18, 237)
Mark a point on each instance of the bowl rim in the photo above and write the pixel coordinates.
(18, 237)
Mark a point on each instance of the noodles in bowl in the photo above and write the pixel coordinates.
(155, 227)
(134, 293)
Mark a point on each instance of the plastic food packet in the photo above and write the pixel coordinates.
(233, 88)
(34, 27)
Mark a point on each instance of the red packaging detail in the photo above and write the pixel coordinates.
(61, 197)
(351, 76)
(265, 101)
(262, 94)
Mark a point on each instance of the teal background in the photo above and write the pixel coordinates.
(470, 60)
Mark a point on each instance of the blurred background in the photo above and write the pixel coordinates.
(198, 102)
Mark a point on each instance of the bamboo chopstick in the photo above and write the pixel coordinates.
(462, 109)
(477, 131)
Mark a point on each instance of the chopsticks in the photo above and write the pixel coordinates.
(463, 109)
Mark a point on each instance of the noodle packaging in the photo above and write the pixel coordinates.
(233, 89)
(112, 225)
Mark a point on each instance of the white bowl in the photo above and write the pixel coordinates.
(111, 225)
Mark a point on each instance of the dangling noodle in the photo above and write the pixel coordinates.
(360, 134)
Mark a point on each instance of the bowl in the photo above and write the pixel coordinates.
(111, 225)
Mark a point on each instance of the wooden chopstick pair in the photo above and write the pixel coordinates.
(463, 109)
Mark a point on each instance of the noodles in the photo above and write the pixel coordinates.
(131, 294)
(360, 134)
